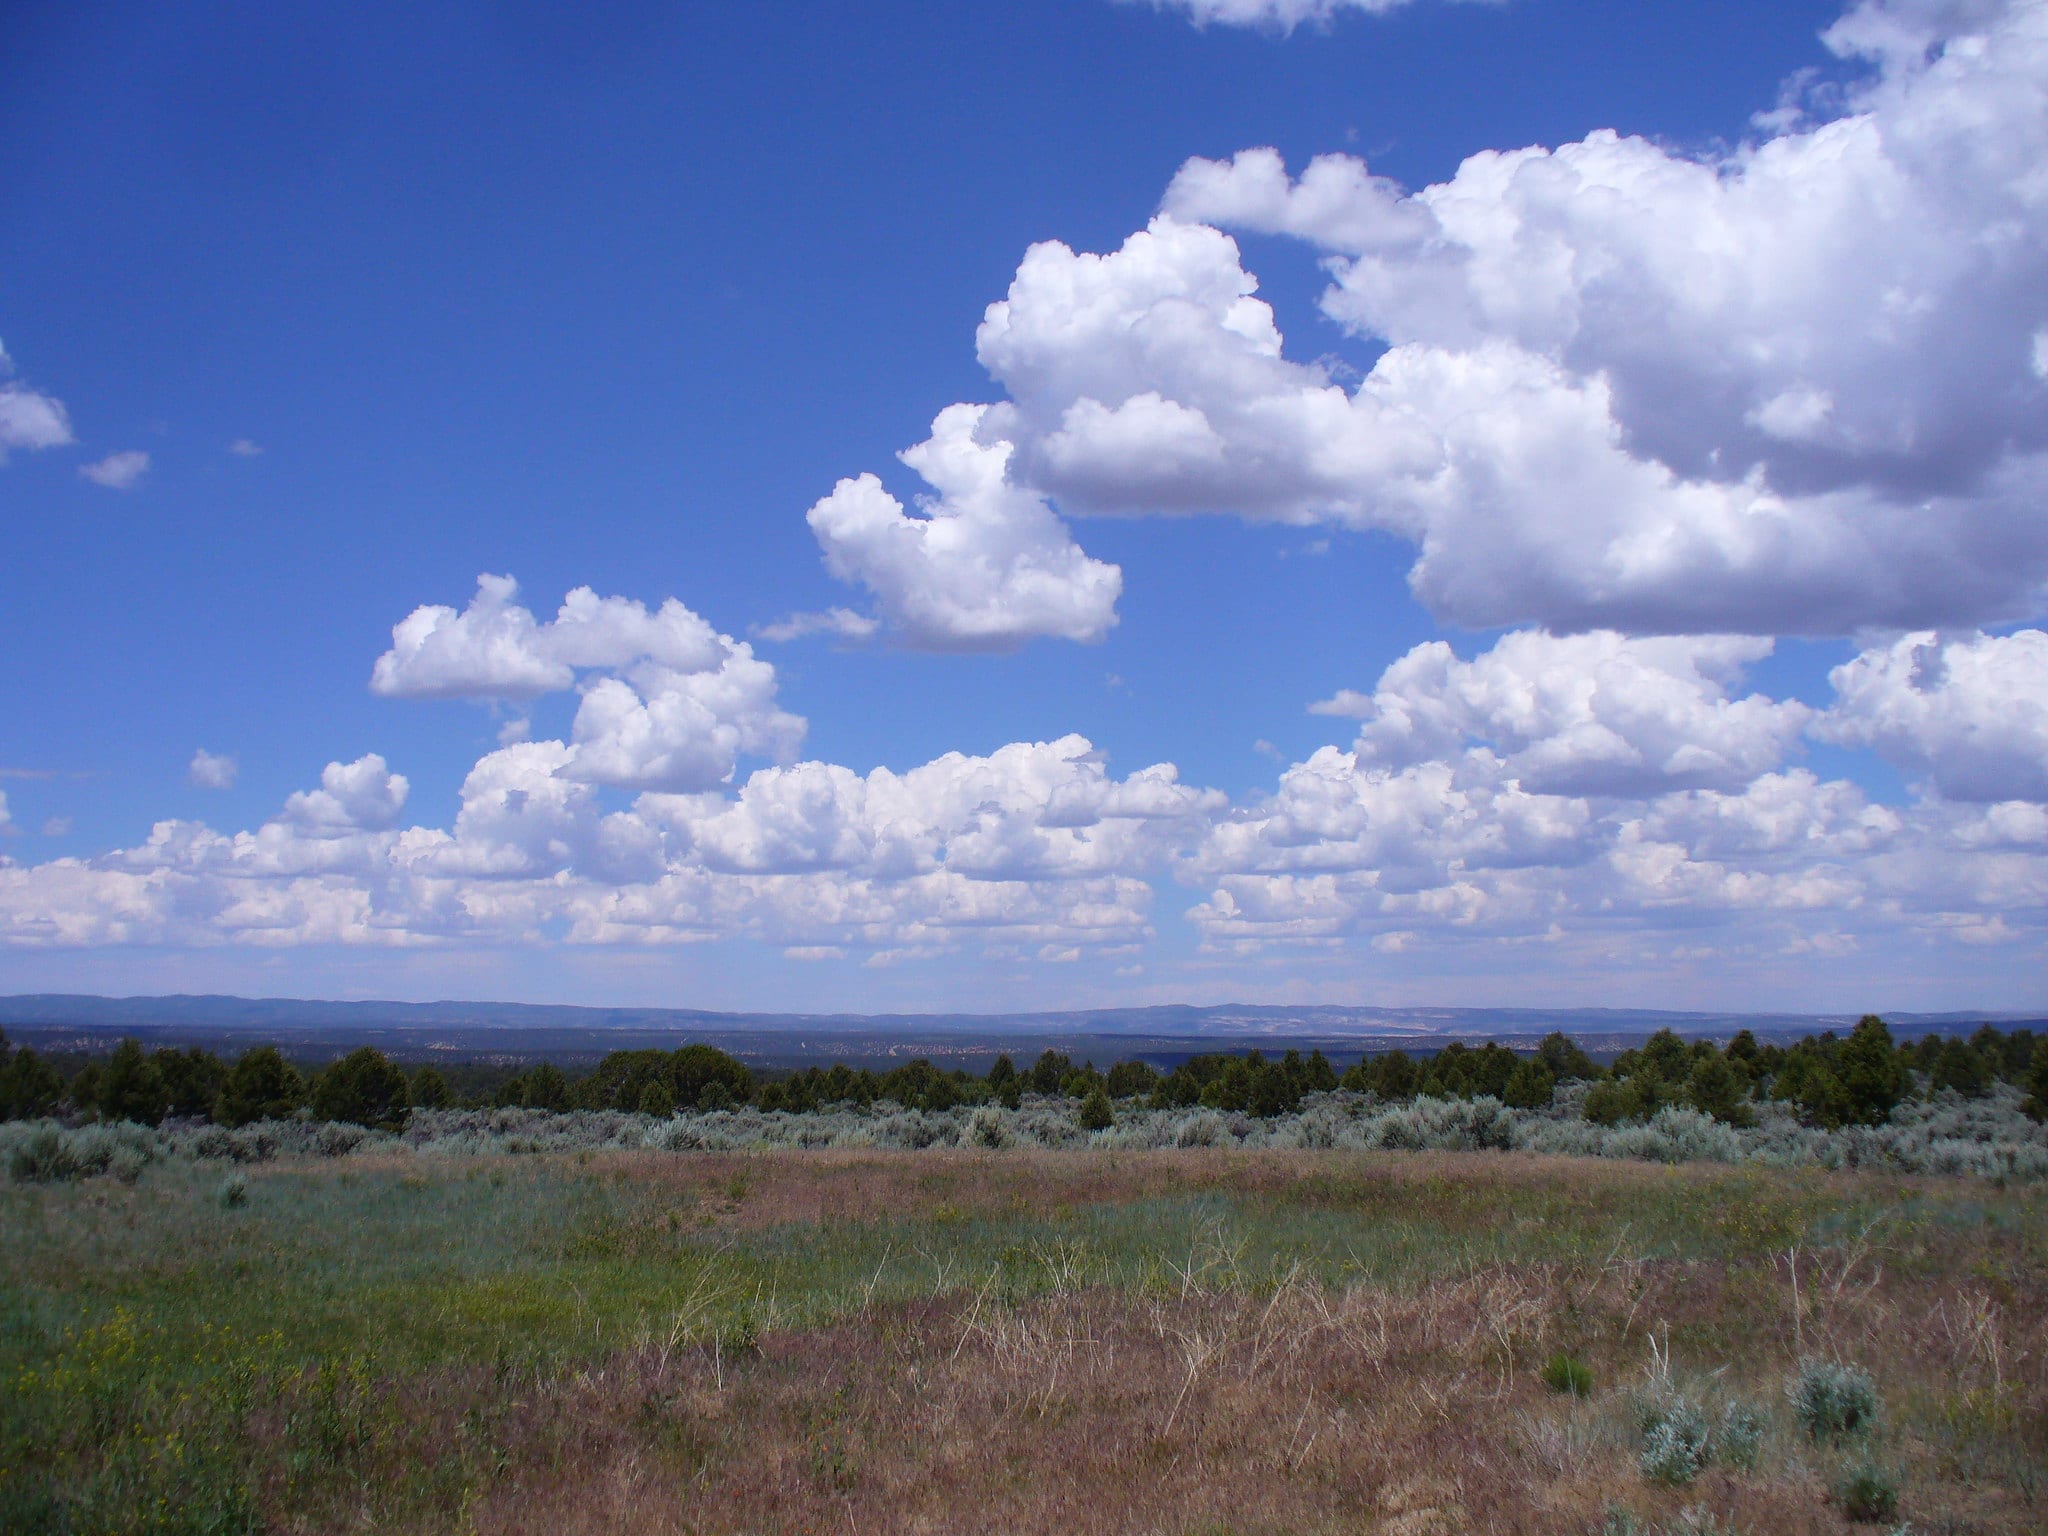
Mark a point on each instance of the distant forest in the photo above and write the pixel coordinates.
(1830, 1080)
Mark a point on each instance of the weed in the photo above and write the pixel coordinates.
(1740, 1438)
(832, 1465)
(1567, 1373)
(1675, 1443)
(233, 1192)
(1868, 1492)
(741, 1334)
(1833, 1401)
(41, 1157)
(45, 1153)
(1687, 1522)
(1701, 1522)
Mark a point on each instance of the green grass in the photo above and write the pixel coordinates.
(412, 1268)
(141, 1327)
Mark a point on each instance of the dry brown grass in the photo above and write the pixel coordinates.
(1300, 1411)
(752, 1190)
(1197, 1404)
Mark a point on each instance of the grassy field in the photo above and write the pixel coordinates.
(1199, 1341)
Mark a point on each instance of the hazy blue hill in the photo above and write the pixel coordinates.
(1163, 1034)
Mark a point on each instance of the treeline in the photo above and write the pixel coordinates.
(1828, 1080)
(149, 1087)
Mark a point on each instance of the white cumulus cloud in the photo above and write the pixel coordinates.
(1790, 387)
(28, 419)
(680, 730)
(211, 770)
(362, 796)
(1968, 712)
(1036, 844)
(492, 648)
(118, 471)
(1151, 380)
(1564, 801)
(1595, 713)
(668, 702)
(984, 564)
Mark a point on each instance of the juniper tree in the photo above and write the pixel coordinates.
(429, 1090)
(132, 1088)
(1530, 1086)
(363, 1088)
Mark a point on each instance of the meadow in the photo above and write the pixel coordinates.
(483, 1331)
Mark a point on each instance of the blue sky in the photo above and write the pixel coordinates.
(310, 318)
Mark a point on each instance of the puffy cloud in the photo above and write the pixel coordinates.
(211, 770)
(1025, 811)
(985, 566)
(1541, 511)
(361, 796)
(118, 471)
(1151, 380)
(1795, 387)
(1793, 816)
(1437, 832)
(521, 815)
(593, 631)
(27, 419)
(1970, 713)
(492, 648)
(1400, 828)
(680, 730)
(676, 705)
(1848, 304)
(495, 648)
(1337, 203)
(245, 448)
(1789, 388)
(1414, 858)
(1614, 797)
(1279, 15)
(1034, 844)
(1596, 713)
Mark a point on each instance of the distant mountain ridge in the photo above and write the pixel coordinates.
(1182, 1020)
